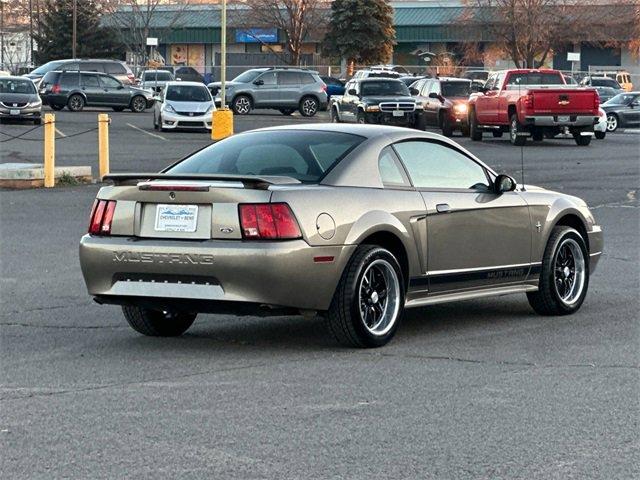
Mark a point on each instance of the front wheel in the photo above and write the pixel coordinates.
(138, 104)
(564, 278)
(361, 117)
(474, 131)
(241, 105)
(75, 103)
(445, 125)
(309, 106)
(367, 306)
(157, 323)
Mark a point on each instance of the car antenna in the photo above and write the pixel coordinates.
(521, 146)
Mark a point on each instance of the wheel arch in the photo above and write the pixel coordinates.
(244, 94)
(574, 221)
(391, 242)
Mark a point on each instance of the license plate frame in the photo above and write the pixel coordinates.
(397, 113)
(14, 112)
(176, 218)
(564, 118)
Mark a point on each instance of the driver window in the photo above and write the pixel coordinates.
(268, 78)
(490, 83)
(435, 87)
(109, 82)
(436, 166)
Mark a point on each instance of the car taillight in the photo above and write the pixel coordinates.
(324, 87)
(268, 221)
(56, 88)
(131, 77)
(101, 217)
(528, 101)
(596, 101)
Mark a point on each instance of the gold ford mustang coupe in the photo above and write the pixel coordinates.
(353, 222)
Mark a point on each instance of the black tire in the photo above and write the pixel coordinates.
(464, 131)
(600, 135)
(309, 106)
(474, 132)
(155, 323)
(421, 122)
(287, 111)
(37, 121)
(138, 104)
(547, 300)
(445, 124)
(118, 109)
(242, 105)
(537, 135)
(56, 107)
(361, 117)
(334, 115)
(497, 133)
(514, 129)
(160, 127)
(76, 102)
(345, 318)
(582, 140)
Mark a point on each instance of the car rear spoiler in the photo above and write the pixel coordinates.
(249, 181)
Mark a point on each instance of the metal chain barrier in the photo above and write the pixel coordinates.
(58, 137)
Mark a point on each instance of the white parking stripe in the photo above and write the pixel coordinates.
(148, 133)
(59, 132)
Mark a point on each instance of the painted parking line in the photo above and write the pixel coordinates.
(148, 133)
(59, 132)
(632, 130)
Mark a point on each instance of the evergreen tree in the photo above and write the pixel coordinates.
(56, 32)
(361, 31)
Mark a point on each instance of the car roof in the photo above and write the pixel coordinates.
(367, 131)
(377, 79)
(191, 84)
(14, 77)
(454, 79)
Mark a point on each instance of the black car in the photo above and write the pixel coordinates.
(75, 90)
(622, 111)
(444, 104)
(375, 100)
(184, 73)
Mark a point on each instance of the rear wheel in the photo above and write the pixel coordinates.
(75, 103)
(564, 278)
(309, 106)
(474, 131)
(37, 121)
(367, 306)
(612, 122)
(582, 140)
(138, 104)
(361, 117)
(156, 323)
(515, 131)
(334, 115)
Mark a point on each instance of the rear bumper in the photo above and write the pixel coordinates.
(284, 274)
(556, 121)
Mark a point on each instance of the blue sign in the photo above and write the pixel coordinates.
(257, 35)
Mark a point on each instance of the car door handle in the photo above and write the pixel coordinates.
(443, 208)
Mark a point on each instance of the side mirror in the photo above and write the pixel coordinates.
(434, 95)
(259, 82)
(635, 104)
(120, 87)
(352, 91)
(414, 91)
(504, 183)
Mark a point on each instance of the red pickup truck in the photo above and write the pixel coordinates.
(532, 103)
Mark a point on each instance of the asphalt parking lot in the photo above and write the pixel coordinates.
(479, 389)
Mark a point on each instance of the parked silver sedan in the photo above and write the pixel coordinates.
(185, 105)
(19, 100)
(355, 222)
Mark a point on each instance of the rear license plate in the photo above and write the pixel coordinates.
(176, 218)
(398, 113)
(14, 112)
(563, 119)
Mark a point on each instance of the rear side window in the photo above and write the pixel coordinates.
(109, 82)
(391, 172)
(435, 166)
(89, 80)
(69, 79)
(307, 78)
(115, 68)
(289, 78)
(305, 155)
(91, 67)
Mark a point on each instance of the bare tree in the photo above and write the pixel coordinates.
(298, 20)
(133, 21)
(528, 31)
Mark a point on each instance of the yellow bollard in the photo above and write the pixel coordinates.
(221, 124)
(103, 144)
(49, 150)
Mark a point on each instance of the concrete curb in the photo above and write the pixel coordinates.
(31, 175)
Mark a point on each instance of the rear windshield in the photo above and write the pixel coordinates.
(188, 93)
(17, 86)
(456, 89)
(304, 155)
(604, 82)
(156, 76)
(384, 88)
(536, 78)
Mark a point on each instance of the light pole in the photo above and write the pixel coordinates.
(74, 28)
(223, 55)
(31, 31)
(1, 34)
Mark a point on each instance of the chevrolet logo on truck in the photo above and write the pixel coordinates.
(163, 258)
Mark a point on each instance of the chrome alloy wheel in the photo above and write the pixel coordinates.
(243, 105)
(569, 271)
(310, 107)
(612, 123)
(139, 104)
(379, 297)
